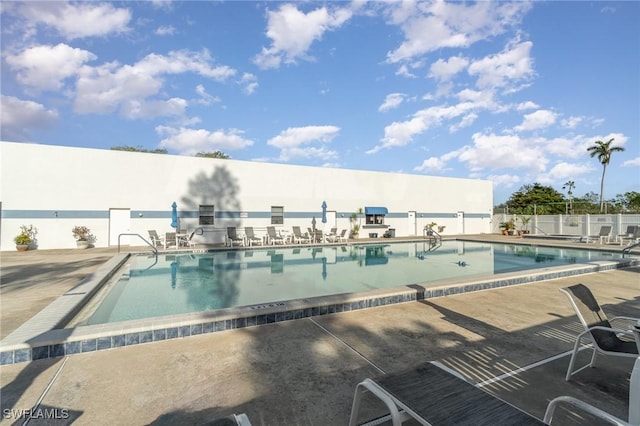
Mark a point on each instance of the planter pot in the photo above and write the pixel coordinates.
(22, 247)
(82, 244)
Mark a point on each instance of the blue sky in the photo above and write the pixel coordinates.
(513, 92)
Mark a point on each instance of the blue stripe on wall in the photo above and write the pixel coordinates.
(160, 214)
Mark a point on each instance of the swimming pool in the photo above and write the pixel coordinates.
(177, 284)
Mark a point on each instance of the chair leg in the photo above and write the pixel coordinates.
(572, 362)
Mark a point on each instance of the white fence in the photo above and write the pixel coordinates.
(571, 225)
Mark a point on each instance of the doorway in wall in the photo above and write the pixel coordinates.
(460, 222)
(331, 220)
(411, 224)
(119, 223)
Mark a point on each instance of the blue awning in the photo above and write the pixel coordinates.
(376, 210)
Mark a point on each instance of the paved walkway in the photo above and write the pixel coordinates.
(305, 371)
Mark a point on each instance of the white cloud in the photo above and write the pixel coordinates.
(564, 170)
(537, 120)
(635, 162)
(503, 70)
(431, 165)
(206, 98)
(191, 141)
(250, 83)
(429, 26)
(141, 109)
(77, 20)
(506, 180)
(19, 118)
(393, 100)
(445, 70)
(105, 88)
(490, 151)
(166, 30)
(523, 106)
(46, 67)
(293, 142)
(292, 32)
(466, 121)
(571, 122)
(401, 133)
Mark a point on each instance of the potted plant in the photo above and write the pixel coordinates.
(429, 227)
(525, 221)
(25, 238)
(355, 230)
(508, 227)
(82, 234)
(355, 225)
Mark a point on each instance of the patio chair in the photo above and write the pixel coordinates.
(233, 238)
(434, 395)
(342, 236)
(251, 236)
(634, 403)
(605, 339)
(156, 240)
(604, 234)
(298, 237)
(170, 239)
(332, 233)
(274, 238)
(185, 240)
(631, 236)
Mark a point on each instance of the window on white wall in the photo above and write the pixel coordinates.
(205, 214)
(277, 215)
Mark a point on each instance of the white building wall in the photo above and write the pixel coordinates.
(63, 187)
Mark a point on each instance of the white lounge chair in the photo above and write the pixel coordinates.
(629, 237)
(274, 238)
(156, 240)
(233, 238)
(433, 395)
(298, 237)
(170, 240)
(598, 330)
(604, 234)
(251, 236)
(342, 236)
(186, 240)
(634, 403)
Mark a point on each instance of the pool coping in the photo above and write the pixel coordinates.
(36, 339)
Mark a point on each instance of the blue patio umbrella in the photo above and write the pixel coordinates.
(324, 212)
(174, 215)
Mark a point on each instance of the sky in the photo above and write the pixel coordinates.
(512, 92)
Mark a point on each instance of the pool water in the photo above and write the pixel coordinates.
(186, 283)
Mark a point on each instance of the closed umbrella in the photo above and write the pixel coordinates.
(324, 212)
(174, 215)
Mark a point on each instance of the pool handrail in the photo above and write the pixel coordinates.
(538, 229)
(155, 250)
(627, 249)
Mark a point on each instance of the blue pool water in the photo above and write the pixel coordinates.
(185, 283)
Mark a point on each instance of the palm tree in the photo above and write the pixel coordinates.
(569, 186)
(603, 150)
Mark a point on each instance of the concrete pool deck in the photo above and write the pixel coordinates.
(305, 371)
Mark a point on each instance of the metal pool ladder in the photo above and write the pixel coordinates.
(627, 249)
(155, 250)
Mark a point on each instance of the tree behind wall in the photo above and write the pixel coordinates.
(545, 199)
(603, 151)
